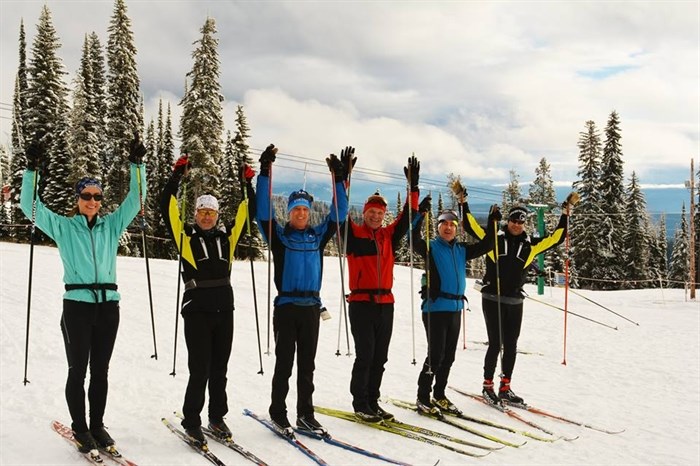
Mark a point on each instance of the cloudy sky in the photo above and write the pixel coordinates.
(472, 88)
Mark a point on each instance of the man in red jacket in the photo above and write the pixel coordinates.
(371, 249)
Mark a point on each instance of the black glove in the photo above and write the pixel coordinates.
(137, 150)
(411, 172)
(347, 156)
(425, 205)
(495, 214)
(459, 189)
(33, 153)
(181, 166)
(267, 157)
(337, 168)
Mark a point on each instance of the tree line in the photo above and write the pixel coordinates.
(86, 129)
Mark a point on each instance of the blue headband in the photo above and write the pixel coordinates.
(86, 182)
(299, 198)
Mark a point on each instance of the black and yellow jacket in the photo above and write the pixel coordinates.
(515, 254)
(206, 255)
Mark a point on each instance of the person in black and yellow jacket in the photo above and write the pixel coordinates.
(206, 249)
(504, 294)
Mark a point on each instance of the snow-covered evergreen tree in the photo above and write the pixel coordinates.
(201, 124)
(47, 114)
(637, 240)
(658, 256)
(512, 195)
(124, 116)
(402, 254)
(97, 104)
(5, 178)
(586, 218)
(612, 202)
(542, 193)
(679, 265)
(84, 136)
(19, 138)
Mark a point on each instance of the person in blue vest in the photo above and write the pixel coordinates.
(297, 250)
(87, 243)
(443, 298)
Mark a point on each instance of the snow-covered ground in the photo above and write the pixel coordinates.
(644, 379)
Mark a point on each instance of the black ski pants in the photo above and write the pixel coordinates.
(296, 330)
(209, 337)
(510, 322)
(371, 325)
(89, 332)
(442, 332)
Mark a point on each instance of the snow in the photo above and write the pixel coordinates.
(642, 378)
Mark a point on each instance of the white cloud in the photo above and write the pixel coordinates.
(473, 88)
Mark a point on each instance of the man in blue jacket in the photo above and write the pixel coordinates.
(297, 249)
(443, 300)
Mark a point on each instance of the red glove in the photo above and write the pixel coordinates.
(248, 173)
(182, 164)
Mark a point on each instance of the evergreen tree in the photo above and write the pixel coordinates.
(697, 228)
(637, 242)
(124, 117)
(201, 124)
(612, 201)
(47, 114)
(5, 178)
(512, 195)
(241, 157)
(542, 193)
(403, 254)
(586, 218)
(230, 182)
(59, 184)
(679, 266)
(84, 138)
(97, 105)
(19, 138)
(157, 179)
(658, 256)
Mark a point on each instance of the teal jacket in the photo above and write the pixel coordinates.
(89, 255)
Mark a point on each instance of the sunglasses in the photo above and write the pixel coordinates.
(518, 222)
(89, 196)
(207, 213)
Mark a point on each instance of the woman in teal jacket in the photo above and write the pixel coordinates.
(87, 244)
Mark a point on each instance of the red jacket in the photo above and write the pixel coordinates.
(370, 256)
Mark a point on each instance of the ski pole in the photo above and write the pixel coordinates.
(340, 253)
(183, 204)
(145, 255)
(252, 275)
(498, 293)
(269, 258)
(461, 235)
(345, 247)
(566, 282)
(31, 267)
(410, 261)
(600, 305)
(427, 288)
(572, 313)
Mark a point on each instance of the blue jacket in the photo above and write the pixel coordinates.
(89, 255)
(298, 254)
(447, 268)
